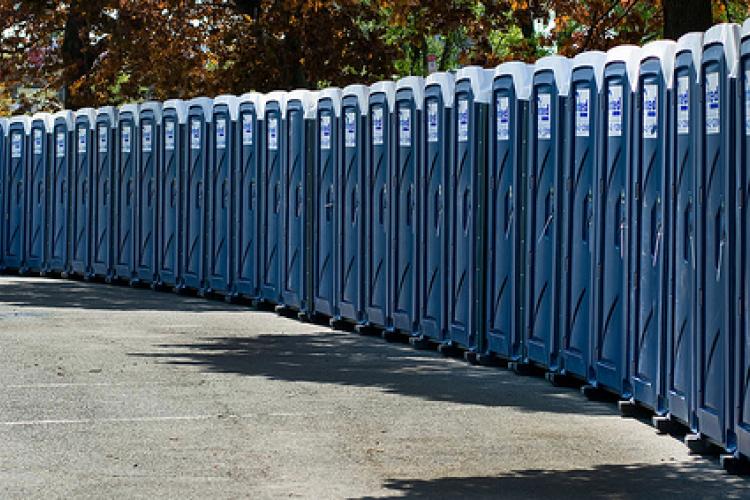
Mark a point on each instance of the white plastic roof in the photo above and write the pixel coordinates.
(129, 108)
(24, 121)
(334, 94)
(480, 80)
(386, 87)
(560, 67)
(629, 55)
(4, 125)
(90, 114)
(361, 92)
(278, 96)
(232, 103)
(521, 73)
(66, 115)
(447, 83)
(154, 107)
(416, 85)
(205, 103)
(179, 106)
(693, 43)
(727, 35)
(593, 59)
(308, 99)
(109, 111)
(46, 119)
(255, 99)
(664, 51)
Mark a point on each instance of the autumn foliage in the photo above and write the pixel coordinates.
(93, 52)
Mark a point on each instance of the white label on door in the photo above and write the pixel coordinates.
(125, 137)
(404, 127)
(713, 104)
(82, 140)
(614, 111)
(221, 133)
(377, 126)
(350, 129)
(683, 105)
(148, 138)
(544, 116)
(273, 134)
(37, 141)
(15, 145)
(463, 120)
(650, 111)
(502, 118)
(433, 121)
(60, 145)
(195, 134)
(583, 112)
(325, 131)
(169, 140)
(247, 129)
(747, 102)
(103, 139)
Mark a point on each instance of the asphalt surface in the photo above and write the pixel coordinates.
(112, 392)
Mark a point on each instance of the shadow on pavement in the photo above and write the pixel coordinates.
(684, 481)
(351, 360)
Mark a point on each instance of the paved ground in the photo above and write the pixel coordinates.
(114, 392)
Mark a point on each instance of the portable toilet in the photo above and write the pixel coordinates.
(220, 184)
(273, 107)
(681, 333)
(578, 263)
(36, 193)
(351, 216)
(58, 239)
(377, 240)
(467, 201)
(80, 196)
(613, 176)
(104, 188)
(194, 215)
(717, 227)
(124, 190)
(405, 212)
(19, 131)
(3, 161)
(434, 182)
(297, 170)
(545, 195)
(247, 197)
(506, 178)
(741, 396)
(149, 119)
(325, 188)
(171, 172)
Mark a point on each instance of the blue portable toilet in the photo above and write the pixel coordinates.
(297, 169)
(681, 333)
(578, 263)
(36, 193)
(742, 370)
(652, 236)
(506, 178)
(404, 223)
(247, 197)
(3, 141)
(220, 185)
(717, 229)
(351, 216)
(545, 194)
(149, 119)
(124, 192)
(170, 174)
(325, 188)
(467, 200)
(433, 175)
(273, 107)
(610, 329)
(19, 131)
(194, 222)
(377, 240)
(80, 196)
(104, 182)
(58, 223)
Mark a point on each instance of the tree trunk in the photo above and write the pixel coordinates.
(684, 16)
